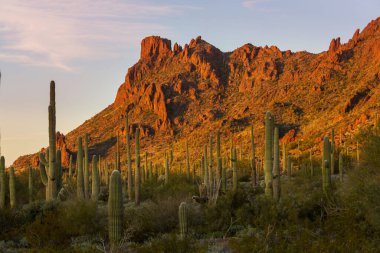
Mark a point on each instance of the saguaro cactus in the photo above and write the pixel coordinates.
(268, 166)
(340, 167)
(166, 168)
(59, 172)
(86, 169)
(171, 153)
(284, 157)
(289, 167)
(137, 168)
(150, 171)
(219, 166)
(332, 166)
(182, 216)
(106, 174)
(311, 164)
(95, 187)
(210, 170)
(253, 161)
(187, 161)
(115, 208)
(30, 184)
(326, 163)
(129, 159)
(234, 171)
(2, 182)
(12, 188)
(357, 152)
(48, 168)
(206, 167)
(117, 153)
(146, 167)
(71, 166)
(276, 166)
(80, 179)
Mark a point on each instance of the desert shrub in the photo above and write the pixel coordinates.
(54, 228)
(169, 243)
(178, 188)
(151, 218)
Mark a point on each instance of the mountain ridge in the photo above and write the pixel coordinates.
(178, 94)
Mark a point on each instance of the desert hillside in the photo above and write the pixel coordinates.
(185, 93)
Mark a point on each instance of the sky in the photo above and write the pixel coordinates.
(87, 46)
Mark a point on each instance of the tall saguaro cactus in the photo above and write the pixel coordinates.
(48, 168)
(86, 169)
(284, 157)
(340, 167)
(219, 169)
(205, 165)
(210, 171)
(276, 166)
(268, 166)
(311, 164)
(12, 188)
(326, 163)
(117, 153)
(289, 167)
(234, 171)
(129, 159)
(182, 217)
(95, 187)
(2, 182)
(146, 171)
(332, 166)
(253, 161)
(137, 168)
(187, 161)
(30, 184)
(166, 168)
(59, 172)
(80, 179)
(71, 166)
(115, 208)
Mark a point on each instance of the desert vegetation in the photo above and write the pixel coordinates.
(325, 201)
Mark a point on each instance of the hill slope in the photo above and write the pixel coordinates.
(184, 93)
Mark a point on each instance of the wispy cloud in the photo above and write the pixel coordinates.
(250, 3)
(54, 33)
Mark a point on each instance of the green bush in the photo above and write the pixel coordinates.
(55, 227)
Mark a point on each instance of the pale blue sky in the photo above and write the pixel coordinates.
(86, 46)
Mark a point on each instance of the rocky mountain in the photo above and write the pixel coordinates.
(185, 93)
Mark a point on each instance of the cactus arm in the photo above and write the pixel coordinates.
(42, 167)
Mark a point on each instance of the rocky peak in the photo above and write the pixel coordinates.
(155, 46)
(334, 45)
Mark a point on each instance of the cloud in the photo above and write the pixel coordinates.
(253, 4)
(55, 33)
